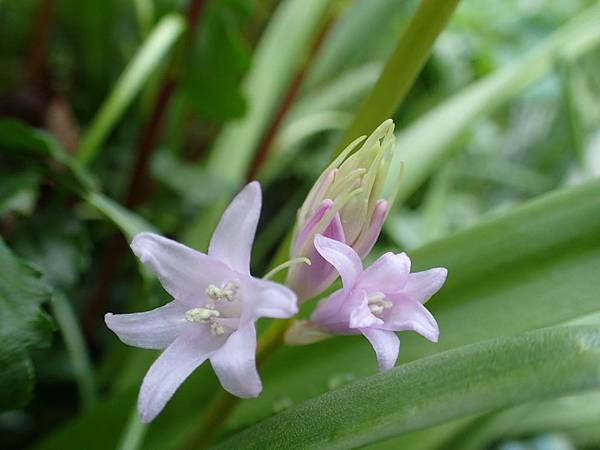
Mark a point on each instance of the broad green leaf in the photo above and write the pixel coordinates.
(531, 268)
(148, 58)
(425, 144)
(468, 380)
(23, 326)
(211, 83)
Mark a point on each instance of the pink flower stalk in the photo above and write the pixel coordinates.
(375, 302)
(346, 204)
(216, 302)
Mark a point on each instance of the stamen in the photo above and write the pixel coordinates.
(376, 309)
(228, 292)
(216, 329)
(378, 303)
(201, 315)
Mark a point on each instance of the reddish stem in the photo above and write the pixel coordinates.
(40, 30)
(288, 100)
(147, 142)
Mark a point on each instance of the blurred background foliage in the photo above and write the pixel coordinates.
(165, 107)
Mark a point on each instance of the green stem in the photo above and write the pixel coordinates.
(401, 69)
(76, 348)
(134, 433)
(223, 403)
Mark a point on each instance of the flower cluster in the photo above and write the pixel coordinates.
(216, 301)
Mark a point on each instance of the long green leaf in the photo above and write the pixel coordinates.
(401, 69)
(146, 61)
(424, 145)
(558, 414)
(472, 379)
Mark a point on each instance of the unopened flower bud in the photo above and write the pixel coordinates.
(346, 204)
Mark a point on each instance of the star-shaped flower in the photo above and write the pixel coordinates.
(216, 302)
(376, 302)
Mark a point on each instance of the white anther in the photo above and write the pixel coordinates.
(201, 315)
(228, 292)
(216, 329)
(376, 309)
(377, 303)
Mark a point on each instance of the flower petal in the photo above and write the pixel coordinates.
(308, 281)
(389, 273)
(367, 239)
(262, 298)
(308, 228)
(157, 328)
(184, 272)
(342, 257)
(386, 345)
(172, 367)
(232, 240)
(343, 312)
(235, 363)
(407, 314)
(422, 285)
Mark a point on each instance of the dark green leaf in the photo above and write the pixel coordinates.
(23, 326)
(18, 191)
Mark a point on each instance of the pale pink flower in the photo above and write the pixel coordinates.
(216, 302)
(376, 302)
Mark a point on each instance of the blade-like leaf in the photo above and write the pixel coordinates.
(557, 414)
(472, 379)
(148, 58)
